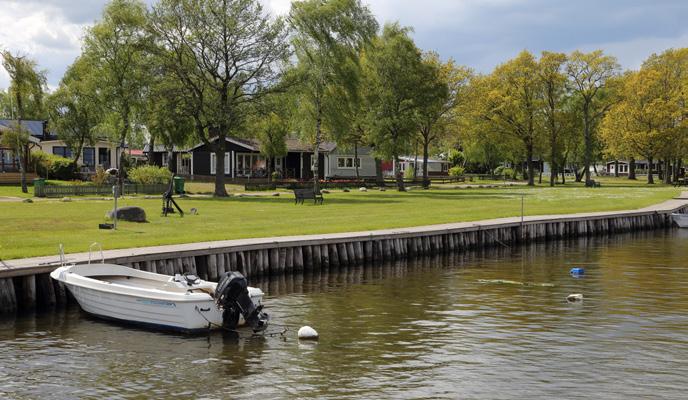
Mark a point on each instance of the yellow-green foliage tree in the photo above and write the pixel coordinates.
(637, 124)
(588, 75)
(508, 102)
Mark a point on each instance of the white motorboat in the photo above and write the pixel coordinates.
(181, 302)
(680, 219)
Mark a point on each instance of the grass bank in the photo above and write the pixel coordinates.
(33, 229)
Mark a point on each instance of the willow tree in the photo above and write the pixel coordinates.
(588, 75)
(115, 48)
(443, 87)
(27, 86)
(329, 35)
(74, 109)
(226, 54)
(393, 72)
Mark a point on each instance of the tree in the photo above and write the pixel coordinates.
(588, 76)
(115, 49)
(553, 81)
(671, 67)
(637, 124)
(272, 124)
(226, 54)
(393, 73)
(510, 102)
(74, 109)
(166, 117)
(329, 36)
(27, 86)
(444, 85)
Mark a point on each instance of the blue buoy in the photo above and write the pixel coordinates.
(577, 271)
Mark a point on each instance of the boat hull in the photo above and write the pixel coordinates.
(187, 316)
(111, 292)
(680, 219)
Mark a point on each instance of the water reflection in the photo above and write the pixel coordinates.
(443, 327)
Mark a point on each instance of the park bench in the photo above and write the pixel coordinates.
(307, 194)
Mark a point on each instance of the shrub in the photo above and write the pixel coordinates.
(100, 177)
(504, 171)
(41, 162)
(276, 175)
(410, 172)
(456, 171)
(456, 157)
(150, 174)
(62, 168)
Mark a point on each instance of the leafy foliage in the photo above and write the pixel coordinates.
(150, 174)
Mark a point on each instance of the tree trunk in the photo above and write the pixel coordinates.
(220, 190)
(650, 178)
(398, 174)
(677, 169)
(316, 153)
(378, 173)
(531, 170)
(667, 171)
(588, 143)
(616, 168)
(660, 170)
(22, 170)
(151, 153)
(358, 175)
(268, 167)
(563, 176)
(415, 163)
(171, 164)
(426, 175)
(631, 168)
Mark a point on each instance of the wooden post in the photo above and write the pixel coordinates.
(325, 253)
(60, 292)
(334, 255)
(233, 262)
(274, 261)
(368, 250)
(317, 257)
(351, 252)
(282, 260)
(46, 291)
(8, 299)
(360, 255)
(298, 258)
(212, 267)
(343, 254)
(28, 295)
(308, 257)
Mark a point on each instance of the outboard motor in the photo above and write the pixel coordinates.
(231, 295)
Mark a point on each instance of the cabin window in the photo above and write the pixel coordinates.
(62, 151)
(89, 158)
(213, 164)
(347, 162)
(251, 165)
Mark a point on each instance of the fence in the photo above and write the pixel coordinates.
(92, 190)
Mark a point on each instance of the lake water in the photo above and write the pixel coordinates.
(434, 328)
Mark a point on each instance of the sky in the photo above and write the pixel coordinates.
(478, 33)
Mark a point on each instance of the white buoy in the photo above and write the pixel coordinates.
(572, 298)
(307, 333)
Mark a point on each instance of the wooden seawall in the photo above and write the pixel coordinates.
(25, 283)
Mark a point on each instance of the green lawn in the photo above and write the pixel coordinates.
(33, 229)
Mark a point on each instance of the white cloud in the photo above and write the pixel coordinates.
(477, 33)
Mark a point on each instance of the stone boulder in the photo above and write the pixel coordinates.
(130, 213)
